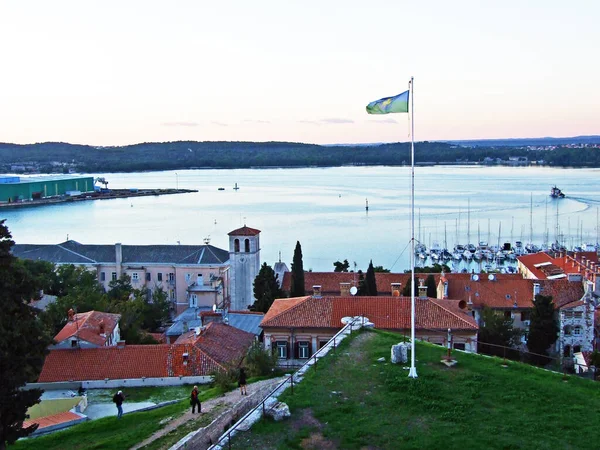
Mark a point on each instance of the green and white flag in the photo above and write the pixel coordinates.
(387, 105)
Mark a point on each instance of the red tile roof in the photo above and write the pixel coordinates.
(509, 290)
(330, 281)
(571, 263)
(384, 312)
(218, 345)
(220, 342)
(86, 326)
(54, 419)
(244, 231)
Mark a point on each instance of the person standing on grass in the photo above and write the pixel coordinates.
(118, 399)
(242, 381)
(195, 401)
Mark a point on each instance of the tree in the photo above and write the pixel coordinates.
(297, 287)
(497, 329)
(266, 288)
(23, 343)
(543, 330)
(431, 287)
(370, 280)
(380, 269)
(341, 266)
(362, 284)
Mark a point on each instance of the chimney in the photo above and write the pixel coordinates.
(118, 258)
(536, 289)
(345, 289)
(101, 326)
(396, 289)
(121, 344)
(71, 315)
(422, 288)
(317, 290)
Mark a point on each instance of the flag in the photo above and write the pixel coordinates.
(396, 104)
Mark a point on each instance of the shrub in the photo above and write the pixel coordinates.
(224, 379)
(260, 361)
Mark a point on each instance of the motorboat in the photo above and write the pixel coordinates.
(556, 192)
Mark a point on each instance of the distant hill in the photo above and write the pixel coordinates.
(55, 157)
(520, 142)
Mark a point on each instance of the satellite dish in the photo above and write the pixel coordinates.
(491, 277)
(214, 307)
(475, 277)
(353, 290)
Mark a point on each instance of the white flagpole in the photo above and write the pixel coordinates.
(413, 370)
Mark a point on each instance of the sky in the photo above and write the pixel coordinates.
(122, 72)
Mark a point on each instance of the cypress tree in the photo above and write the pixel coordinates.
(266, 288)
(543, 330)
(297, 287)
(431, 287)
(371, 281)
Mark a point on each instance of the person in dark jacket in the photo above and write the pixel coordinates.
(242, 382)
(195, 401)
(118, 399)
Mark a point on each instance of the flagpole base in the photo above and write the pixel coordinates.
(412, 373)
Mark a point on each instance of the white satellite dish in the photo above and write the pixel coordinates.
(491, 277)
(475, 277)
(353, 290)
(214, 307)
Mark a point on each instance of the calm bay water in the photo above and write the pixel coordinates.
(325, 210)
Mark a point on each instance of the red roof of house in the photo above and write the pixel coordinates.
(244, 231)
(219, 341)
(509, 290)
(384, 312)
(548, 265)
(218, 345)
(330, 281)
(87, 327)
(54, 419)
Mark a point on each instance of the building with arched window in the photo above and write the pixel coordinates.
(244, 260)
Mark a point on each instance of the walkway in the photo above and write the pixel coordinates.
(230, 398)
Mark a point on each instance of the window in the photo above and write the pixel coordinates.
(236, 245)
(102, 276)
(74, 343)
(525, 315)
(135, 276)
(281, 349)
(323, 343)
(113, 276)
(459, 345)
(578, 314)
(171, 277)
(567, 351)
(148, 276)
(193, 301)
(568, 314)
(567, 330)
(303, 350)
(577, 331)
(159, 276)
(576, 348)
(172, 294)
(247, 245)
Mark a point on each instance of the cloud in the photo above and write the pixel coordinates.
(221, 124)
(309, 122)
(256, 121)
(336, 120)
(384, 121)
(180, 124)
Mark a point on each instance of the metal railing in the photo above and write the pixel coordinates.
(312, 361)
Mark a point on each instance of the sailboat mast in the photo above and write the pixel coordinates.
(531, 219)
(468, 221)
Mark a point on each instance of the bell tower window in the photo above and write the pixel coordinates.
(247, 245)
(236, 245)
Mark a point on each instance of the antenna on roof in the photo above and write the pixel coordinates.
(67, 237)
(207, 240)
(279, 255)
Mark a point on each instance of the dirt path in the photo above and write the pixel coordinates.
(230, 398)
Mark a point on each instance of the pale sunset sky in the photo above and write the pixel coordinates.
(121, 72)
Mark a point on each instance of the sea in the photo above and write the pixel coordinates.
(325, 209)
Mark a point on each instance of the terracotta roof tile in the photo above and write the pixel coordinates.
(330, 281)
(54, 419)
(384, 312)
(280, 305)
(218, 345)
(509, 290)
(86, 326)
(244, 231)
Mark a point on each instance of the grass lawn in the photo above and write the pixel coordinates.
(352, 402)
(143, 394)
